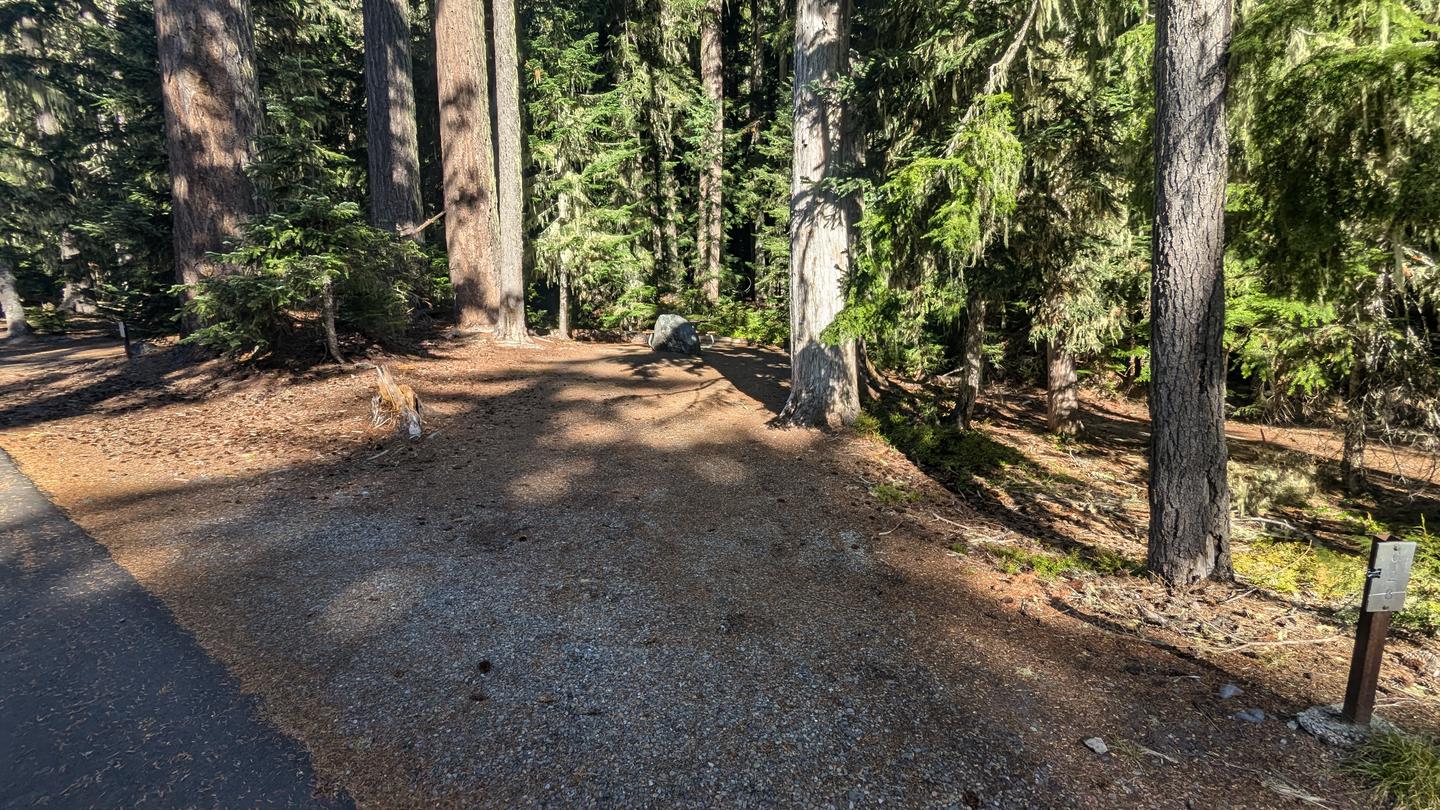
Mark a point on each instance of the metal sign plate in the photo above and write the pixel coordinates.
(1386, 581)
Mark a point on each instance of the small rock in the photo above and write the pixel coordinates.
(1097, 745)
(1292, 725)
(675, 334)
(1251, 715)
(1229, 690)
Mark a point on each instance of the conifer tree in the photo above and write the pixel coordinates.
(1189, 491)
(212, 117)
(468, 158)
(392, 142)
(823, 388)
(510, 272)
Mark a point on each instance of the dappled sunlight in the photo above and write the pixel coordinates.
(576, 561)
(366, 607)
(550, 485)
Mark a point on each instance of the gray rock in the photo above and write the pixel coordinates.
(1327, 726)
(676, 335)
(1097, 745)
(1229, 690)
(1251, 715)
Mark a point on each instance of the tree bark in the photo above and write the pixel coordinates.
(710, 237)
(327, 316)
(1189, 494)
(467, 156)
(563, 325)
(823, 377)
(18, 328)
(973, 364)
(212, 116)
(1062, 389)
(1352, 458)
(1369, 350)
(393, 148)
(510, 327)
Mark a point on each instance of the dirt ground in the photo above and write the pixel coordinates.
(603, 578)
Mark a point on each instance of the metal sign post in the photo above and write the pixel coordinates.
(1385, 581)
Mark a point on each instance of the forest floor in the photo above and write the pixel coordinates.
(603, 578)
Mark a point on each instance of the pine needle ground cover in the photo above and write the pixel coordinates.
(435, 625)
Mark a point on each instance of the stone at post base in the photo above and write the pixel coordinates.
(675, 334)
(1326, 724)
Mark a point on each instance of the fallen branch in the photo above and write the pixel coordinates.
(1280, 643)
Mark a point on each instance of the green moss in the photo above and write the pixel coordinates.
(893, 495)
(1337, 576)
(1052, 565)
(1404, 767)
(1297, 568)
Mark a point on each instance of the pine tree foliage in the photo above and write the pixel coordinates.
(1341, 151)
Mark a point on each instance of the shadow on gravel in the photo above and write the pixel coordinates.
(591, 588)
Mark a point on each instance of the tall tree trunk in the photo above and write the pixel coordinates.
(1352, 458)
(1189, 494)
(973, 368)
(564, 315)
(467, 152)
(671, 267)
(212, 116)
(327, 318)
(510, 327)
(1062, 388)
(1369, 350)
(712, 79)
(393, 149)
(19, 328)
(823, 377)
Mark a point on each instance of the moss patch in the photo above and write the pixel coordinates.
(1337, 576)
(1052, 565)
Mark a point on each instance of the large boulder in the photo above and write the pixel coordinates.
(675, 334)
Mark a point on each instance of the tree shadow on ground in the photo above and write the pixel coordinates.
(703, 614)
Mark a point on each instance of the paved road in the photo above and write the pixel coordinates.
(104, 700)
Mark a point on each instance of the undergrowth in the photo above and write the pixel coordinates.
(1052, 565)
(893, 495)
(941, 448)
(1336, 576)
(1405, 768)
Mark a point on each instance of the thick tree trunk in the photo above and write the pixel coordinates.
(212, 116)
(823, 377)
(1062, 389)
(1189, 494)
(18, 328)
(712, 79)
(467, 153)
(972, 369)
(394, 152)
(510, 327)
